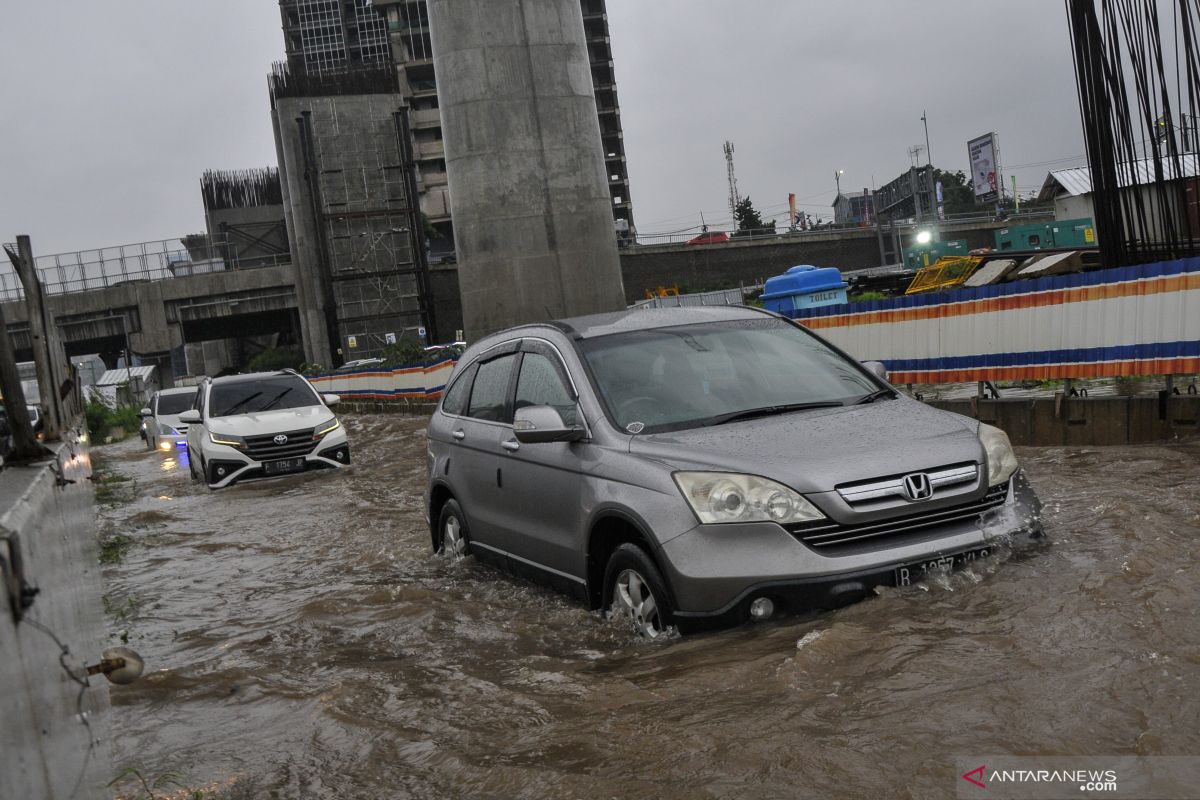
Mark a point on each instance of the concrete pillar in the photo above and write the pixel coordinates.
(533, 223)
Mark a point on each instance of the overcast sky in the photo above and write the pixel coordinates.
(110, 111)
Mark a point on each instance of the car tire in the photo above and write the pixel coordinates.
(636, 594)
(454, 540)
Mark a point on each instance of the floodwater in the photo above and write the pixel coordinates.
(302, 642)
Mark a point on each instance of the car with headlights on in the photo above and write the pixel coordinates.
(259, 425)
(160, 418)
(701, 467)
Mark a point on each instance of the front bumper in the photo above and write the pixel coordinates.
(717, 571)
(225, 466)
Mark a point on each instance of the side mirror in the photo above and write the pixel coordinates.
(190, 417)
(331, 399)
(145, 412)
(539, 424)
(877, 369)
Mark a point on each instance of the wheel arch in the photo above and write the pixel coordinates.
(609, 529)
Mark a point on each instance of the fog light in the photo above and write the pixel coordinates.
(220, 472)
(164, 445)
(340, 456)
(762, 608)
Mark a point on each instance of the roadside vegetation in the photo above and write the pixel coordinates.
(110, 423)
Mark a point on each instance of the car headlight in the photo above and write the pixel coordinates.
(328, 427)
(226, 439)
(1001, 460)
(731, 497)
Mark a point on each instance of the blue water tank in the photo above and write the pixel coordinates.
(804, 287)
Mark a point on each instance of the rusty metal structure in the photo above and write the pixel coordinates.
(1137, 69)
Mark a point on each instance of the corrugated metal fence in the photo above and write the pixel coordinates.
(1142, 320)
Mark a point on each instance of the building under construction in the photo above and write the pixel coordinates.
(323, 36)
(346, 183)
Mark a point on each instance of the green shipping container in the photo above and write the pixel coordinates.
(1066, 233)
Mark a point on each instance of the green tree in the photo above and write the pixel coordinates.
(958, 196)
(749, 221)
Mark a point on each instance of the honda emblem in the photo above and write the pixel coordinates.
(917, 486)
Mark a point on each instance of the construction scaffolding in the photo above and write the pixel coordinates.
(363, 264)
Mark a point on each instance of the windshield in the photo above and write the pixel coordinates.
(704, 374)
(261, 394)
(176, 403)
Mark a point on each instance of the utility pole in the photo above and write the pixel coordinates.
(928, 154)
(48, 354)
(734, 198)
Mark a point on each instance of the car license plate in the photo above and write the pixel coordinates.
(914, 573)
(283, 466)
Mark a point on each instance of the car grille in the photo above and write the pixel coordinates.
(874, 492)
(264, 448)
(829, 536)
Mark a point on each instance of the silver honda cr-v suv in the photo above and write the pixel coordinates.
(702, 467)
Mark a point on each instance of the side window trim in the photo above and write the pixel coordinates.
(544, 348)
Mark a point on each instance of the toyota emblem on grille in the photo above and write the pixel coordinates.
(282, 439)
(917, 486)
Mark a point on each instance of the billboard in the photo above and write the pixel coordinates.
(982, 152)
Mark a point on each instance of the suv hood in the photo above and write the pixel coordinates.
(818, 449)
(281, 421)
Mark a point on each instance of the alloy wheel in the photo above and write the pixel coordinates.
(634, 601)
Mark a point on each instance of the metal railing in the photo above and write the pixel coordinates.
(719, 297)
(824, 229)
(144, 262)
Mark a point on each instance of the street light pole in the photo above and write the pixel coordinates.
(837, 177)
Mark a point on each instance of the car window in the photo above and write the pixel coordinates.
(490, 390)
(174, 403)
(688, 376)
(539, 384)
(455, 401)
(260, 394)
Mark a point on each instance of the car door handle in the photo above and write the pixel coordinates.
(460, 435)
(512, 445)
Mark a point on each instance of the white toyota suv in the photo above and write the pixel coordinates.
(260, 425)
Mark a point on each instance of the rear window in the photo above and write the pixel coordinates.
(175, 403)
(262, 394)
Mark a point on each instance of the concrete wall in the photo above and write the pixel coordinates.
(1075, 421)
(45, 747)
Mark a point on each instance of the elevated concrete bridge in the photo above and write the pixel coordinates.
(161, 312)
(156, 317)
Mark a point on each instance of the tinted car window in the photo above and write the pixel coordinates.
(690, 375)
(455, 401)
(175, 403)
(539, 384)
(260, 394)
(490, 390)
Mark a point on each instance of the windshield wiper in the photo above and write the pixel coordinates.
(238, 405)
(275, 399)
(873, 396)
(767, 411)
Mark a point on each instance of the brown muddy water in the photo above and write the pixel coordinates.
(302, 640)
